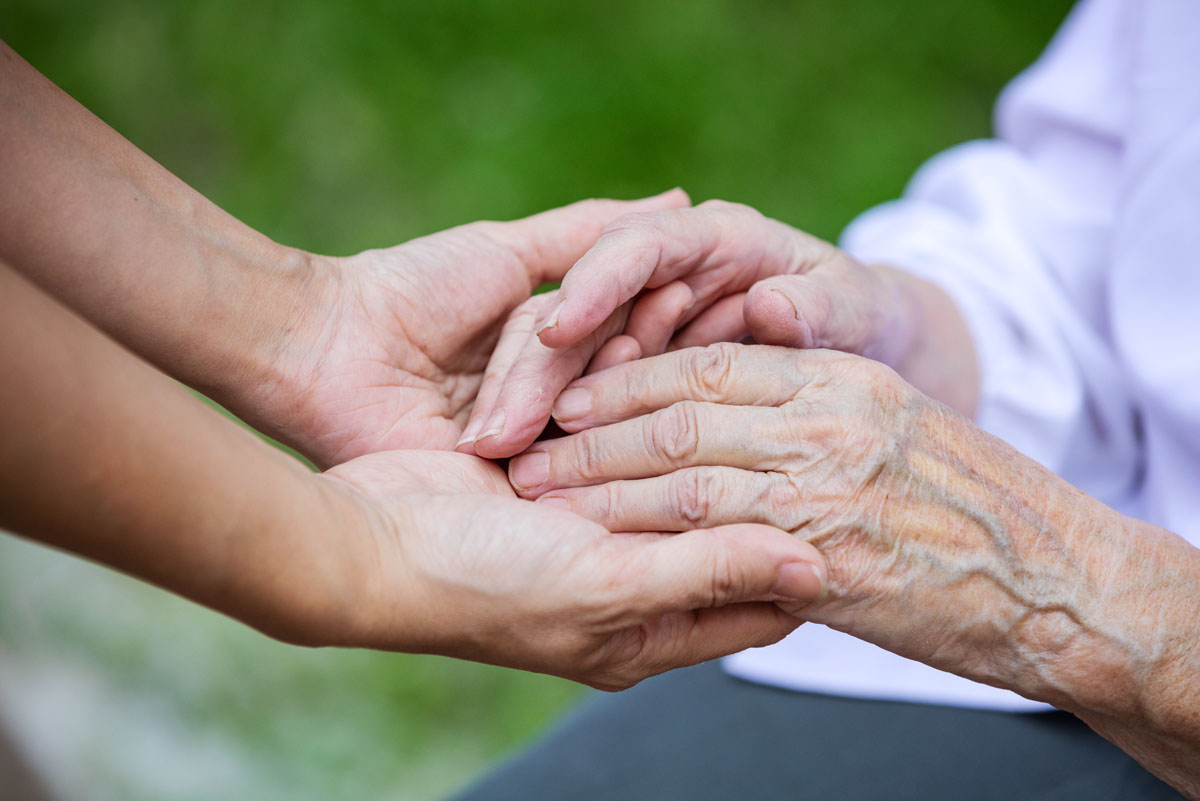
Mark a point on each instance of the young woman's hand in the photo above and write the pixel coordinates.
(458, 565)
(386, 349)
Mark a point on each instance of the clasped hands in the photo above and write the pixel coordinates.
(674, 429)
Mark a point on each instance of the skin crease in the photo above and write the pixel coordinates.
(717, 272)
(415, 551)
(394, 549)
(943, 544)
(1056, 592)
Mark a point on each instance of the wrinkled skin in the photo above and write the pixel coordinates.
(943, 544)
(669, 279)
(456, 564)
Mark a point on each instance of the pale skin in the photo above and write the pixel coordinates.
(668, 279)
(943, 544)
(349, 360)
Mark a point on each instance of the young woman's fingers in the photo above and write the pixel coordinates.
(657, 313)
(533, 382)
(702, 594)
(681, 639)
(709, 568)
(549, 243)
(618, 350)
(722, 322)
(650, 250)
(514, 338)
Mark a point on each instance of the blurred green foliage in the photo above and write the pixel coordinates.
(337, 126)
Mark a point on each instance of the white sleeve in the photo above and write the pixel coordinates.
(1016, 230)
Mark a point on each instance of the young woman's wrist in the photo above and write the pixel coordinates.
(317, 574)
(271, 338)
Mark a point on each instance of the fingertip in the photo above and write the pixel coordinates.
(561, 327)
(497, 446)
(515, 437)
(618, 350)
(658, 313)
(555, 337)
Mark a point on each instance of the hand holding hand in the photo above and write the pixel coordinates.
(943, 544)
(389, 346)
(686, 277)
(457, 565)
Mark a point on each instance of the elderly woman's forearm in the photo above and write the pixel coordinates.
(1056, 595)
(943, 543)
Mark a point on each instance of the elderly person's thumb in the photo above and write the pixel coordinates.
(846, 308)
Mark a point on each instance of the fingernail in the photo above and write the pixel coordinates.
(529, 471)
(791, 302)
(555, 501)
(552, 320)
(800, 581)
(495, 426)
(573, 404)
(468, 434)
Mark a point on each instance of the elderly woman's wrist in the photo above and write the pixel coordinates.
(1145, 634)
(929, 343)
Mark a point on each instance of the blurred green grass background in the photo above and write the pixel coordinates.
(337, 126)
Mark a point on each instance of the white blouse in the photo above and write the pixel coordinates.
(1071, 242)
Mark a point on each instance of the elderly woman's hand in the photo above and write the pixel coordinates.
(943, 544)
(676, 278)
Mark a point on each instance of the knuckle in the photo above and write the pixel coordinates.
(588, 453)
(696, 493)
(878, 382)
(711, 370)
(640, 226)
(675, 433)
(784, 504)
(726, 583)
(729, 208)
(717, 204)
(594, 204)
(603, 501)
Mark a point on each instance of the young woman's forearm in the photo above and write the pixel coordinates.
(99, 225)
(103, 456)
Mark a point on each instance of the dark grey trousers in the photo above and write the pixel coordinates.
(17, 780)
(698, 734)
